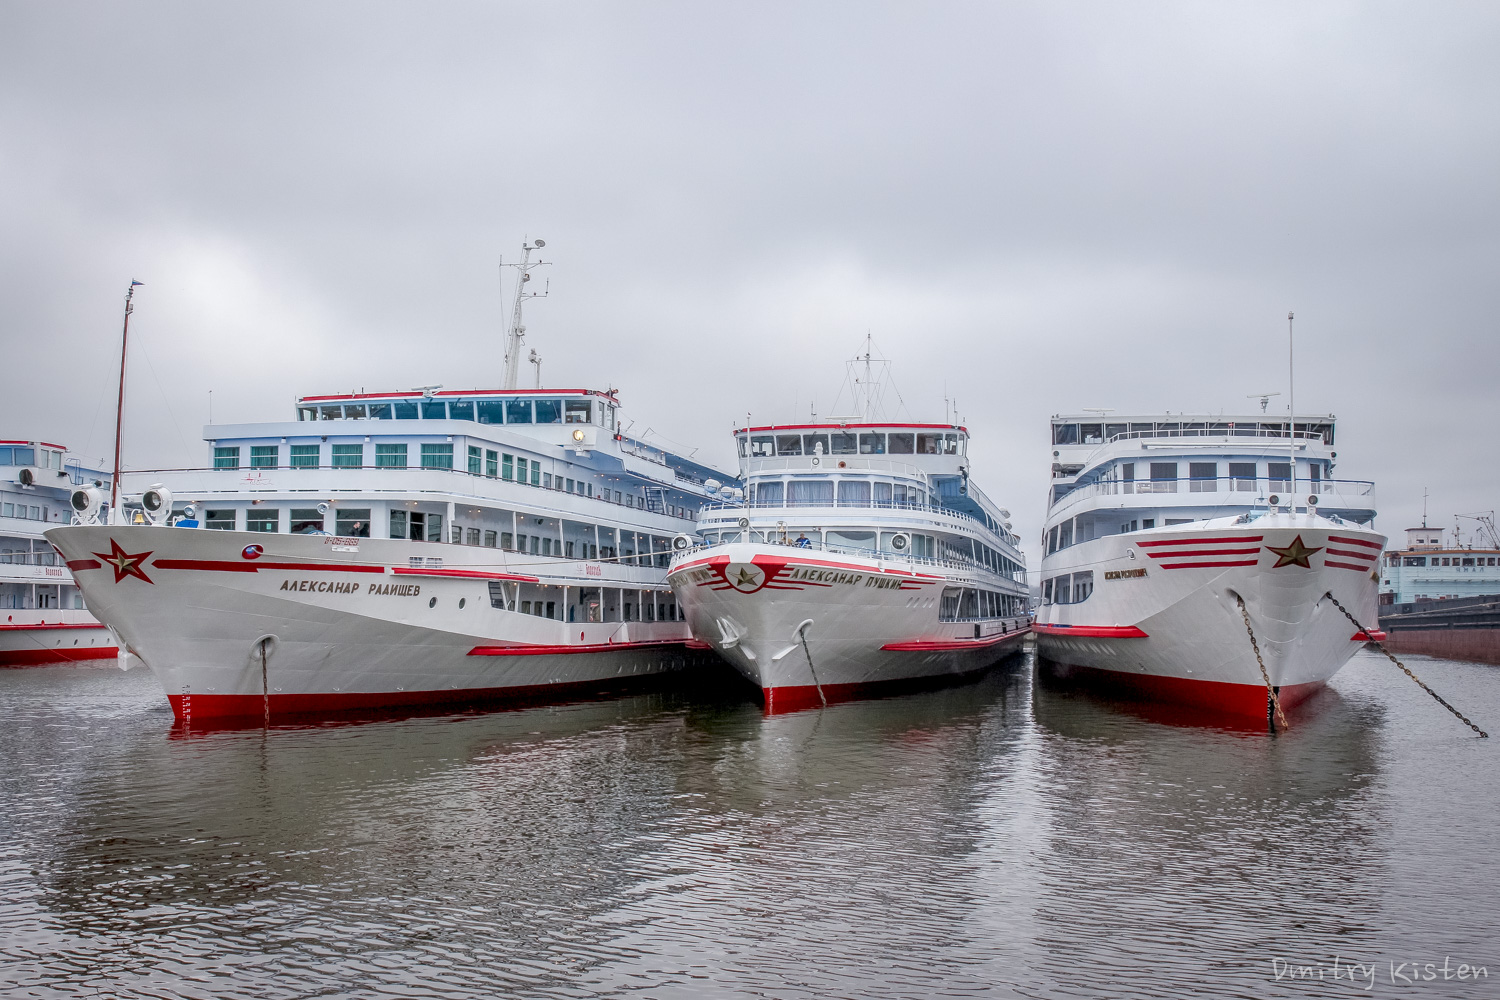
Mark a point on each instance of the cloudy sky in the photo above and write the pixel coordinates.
(1032, 208)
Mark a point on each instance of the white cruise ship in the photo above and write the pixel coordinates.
(42, 616)
(1160, 529)
(863, 555)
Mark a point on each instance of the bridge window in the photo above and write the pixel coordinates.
(390, 456)
(950, 444)
(815, 444)
(762, 446)
(1064, 433)
(549, 411)
(354, 411)
(929, 444)
(578, 411)
(1092, 433)
(303, 413)
(461, 409)
(518, 411)
(1113, 430)
(335, 412)
(872, 444)
(844, 444)
(380, 411)
(789, 444)
(434, 409)
(406, 409)
(490, 411)
(901, 444)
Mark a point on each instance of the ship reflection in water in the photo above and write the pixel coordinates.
(1000, 836)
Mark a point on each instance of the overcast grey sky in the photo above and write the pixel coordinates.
(1033, 207)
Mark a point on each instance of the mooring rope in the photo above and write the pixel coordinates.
(1270, 689)
(1381, 646)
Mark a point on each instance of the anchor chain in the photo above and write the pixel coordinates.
(1270, 690)
(1381, 646)
(802, 635)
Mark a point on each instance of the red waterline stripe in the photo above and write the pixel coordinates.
(1205, 552)
(47, 625)
(941, 645)
(1354, 541)
(81, 564)
(1216, 696)
(1372, 556)
(1203, 541)
(467, 574)
(1341, 565)
(228, 566)
(62, 654)
(1208, 565)
(1091, 631)
(1374, 635)
(598, 647)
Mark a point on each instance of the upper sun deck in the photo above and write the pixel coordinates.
(915, 450)
(1081, 443)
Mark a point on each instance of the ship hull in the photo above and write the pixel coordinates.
(35, 638)
(1164, 620)
(300, 627)
(871, 625)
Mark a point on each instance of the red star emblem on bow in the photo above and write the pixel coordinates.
(1294, 554)
(124, 563)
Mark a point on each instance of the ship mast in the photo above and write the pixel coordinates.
(114, 483)
(517, 331)
(1291, 387)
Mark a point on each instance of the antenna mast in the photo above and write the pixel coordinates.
(114, 483)
(517, 331)
(1291, 386)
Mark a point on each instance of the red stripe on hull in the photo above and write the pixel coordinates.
(42, 657)
(1091, 631)
(1241, 540)
(1179, 554)
(1247, 700)
(598, 647)
(1341, 565)
(947, 645)
(1374, 635)
(52, 625)
(1208, 565)
(464, 574)
(1344, 540)
(230, 566)
(1371, 556)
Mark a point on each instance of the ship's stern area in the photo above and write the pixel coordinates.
(812, 627)
(1167, 617)
(241, 624)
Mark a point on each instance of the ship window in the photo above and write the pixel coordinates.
(220, 520)
(224, 458)
(1204, 476)
(872, 444)
(303, 413)
(306, 520)
(1062, 590)
(815, 444)
(434, 409)
(844, 444)
(1242, 476)
(1046, 591)
(406, 409)
(810, 492)
(1414, 561)
(743, 448)
(5, 456)
(348, 456)
(352, 522)
(762, 447)
(1146, 523)
(437, 456)
(901, 444)
(929, 444)
(1065, 534)
(1092, 433)
(490, 411)
(950, 444)
(507, 470)
(1113, 430)
(1280, 475)
(390, 456)
(536, 472)
(1052, 540)
(1064, 433)
(261, 519)
(854, 493)
(1169, 430)
(768, 494)
(788, 444)
(491, 464)
(263, 456)
(331, 412)
(304, 456)
(577, 411)
(354, 411)
(461, 409)
(1083, 586)
(380, 411)
(489, 539)
(518, 411)
(1163, 477)
(549, 411)
(1142, 428)
(883, 492)
(476, 460)
(1197, 428)
(1468, 560)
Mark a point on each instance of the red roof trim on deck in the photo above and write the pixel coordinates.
(469, 574)
(826, 427)
(449, 393)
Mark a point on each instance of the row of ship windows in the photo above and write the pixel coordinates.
(1101, 432)
(481, 462)
(848, 443)
(869, 542)
(1459, 561)
(29, 455)
(484, 411)
(594, 605)
(1203, 477)
(24, 511)
(803, 492)
(968, 604)
(1069, 588)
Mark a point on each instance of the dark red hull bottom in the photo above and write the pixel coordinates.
(51, 657)
(1214, 697)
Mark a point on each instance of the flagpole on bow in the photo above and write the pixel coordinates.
(114, 483)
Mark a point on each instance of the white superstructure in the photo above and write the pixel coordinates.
(1160, 527)
(861, 554)
(401, 548)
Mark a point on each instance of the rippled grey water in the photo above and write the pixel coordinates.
(1001, 838)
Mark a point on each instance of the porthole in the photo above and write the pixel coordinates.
(432, 603)
(461, 602)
